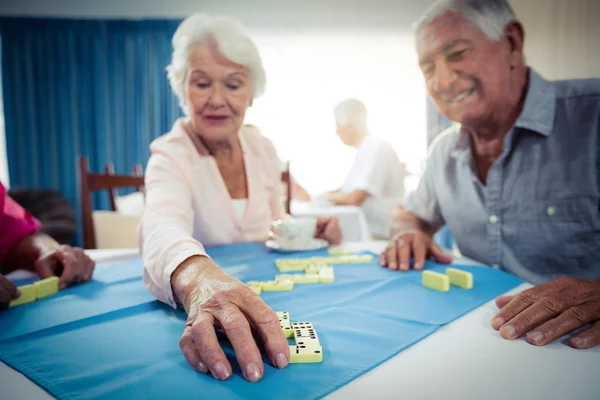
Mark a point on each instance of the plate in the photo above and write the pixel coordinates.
(314, 244)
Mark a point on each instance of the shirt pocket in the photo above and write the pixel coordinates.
(560, 237)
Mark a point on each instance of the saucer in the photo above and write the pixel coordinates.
(314, 244)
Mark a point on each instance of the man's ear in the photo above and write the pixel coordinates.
(515, 36)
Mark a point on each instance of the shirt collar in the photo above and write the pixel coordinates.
(540, 103)
(537, 115)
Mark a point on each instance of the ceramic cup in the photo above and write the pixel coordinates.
(294, 233)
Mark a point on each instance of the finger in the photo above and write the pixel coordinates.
(8, 290)
(45, 267)
(383, 258)
(533, 316)
(501, 301)
(570, 320)
(89, 269)
(190, 352)
(404, 253)
(419, 253)
(333, 233)
(519, 303)
(236, 327)
(587, 338)
(266, 324)
(205, 339)
(392, 255)
(439, 255)
(68, 275)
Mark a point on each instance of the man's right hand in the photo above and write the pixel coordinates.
(409, 244)
(8, 292)
(219, 301)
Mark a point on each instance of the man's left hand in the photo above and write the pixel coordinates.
(328, 228)
(547, 312)
(71, 263)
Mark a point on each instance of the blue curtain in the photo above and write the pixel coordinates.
(83, 87)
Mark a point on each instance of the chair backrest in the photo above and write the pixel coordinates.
(285, 179)
(90, 182)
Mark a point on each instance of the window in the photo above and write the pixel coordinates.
(308, 74)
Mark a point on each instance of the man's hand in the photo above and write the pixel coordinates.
(328, 228)
(70, 263)
(547, 312)
(411, 244)
(219, 301)
(8, 292)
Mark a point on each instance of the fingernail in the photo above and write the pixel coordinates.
(252, 373)
(536, 337)
(220, 372)
(62, 285)
(392, 265)
(497, 323)
(578, 342)
(508, 331)
(202, 367)
(404, 267)
(281, 360)
(418, 265)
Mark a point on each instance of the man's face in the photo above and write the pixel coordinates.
(468, 76)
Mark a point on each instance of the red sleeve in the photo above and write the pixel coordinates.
(15, 223)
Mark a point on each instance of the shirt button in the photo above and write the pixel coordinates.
(550, 211)
(495, 266)
(494, 219)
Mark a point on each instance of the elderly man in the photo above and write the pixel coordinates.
(375, 181)
(518, 181)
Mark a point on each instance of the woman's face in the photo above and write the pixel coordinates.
(217, 93)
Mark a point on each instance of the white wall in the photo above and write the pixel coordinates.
(562, 37)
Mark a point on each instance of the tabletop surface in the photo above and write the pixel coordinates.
(465, 359)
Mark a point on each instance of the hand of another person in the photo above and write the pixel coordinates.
(546, 312)
(328, 228)
(219, 301)
(8, 292)
(409, 244)
(71, 264)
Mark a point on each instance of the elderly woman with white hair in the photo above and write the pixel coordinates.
(208, 182)
(375, 181)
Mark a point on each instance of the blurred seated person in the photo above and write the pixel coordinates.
(375, 181)
(23, 246)
(298, 192)
(211, 181)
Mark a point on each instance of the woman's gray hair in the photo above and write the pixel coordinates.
(351, 112)
(490, 16)
(231, 40)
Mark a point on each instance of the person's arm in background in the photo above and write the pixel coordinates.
(298, 192)
(355, 198)
(413, 226)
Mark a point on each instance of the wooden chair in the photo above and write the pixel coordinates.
(285, 179)
(90, 182)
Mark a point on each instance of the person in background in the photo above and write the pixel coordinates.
(375, 181)
(22, 246)
(517, 181)
(298, 192)
(211, 181)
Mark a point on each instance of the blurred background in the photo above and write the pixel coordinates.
(86, 77)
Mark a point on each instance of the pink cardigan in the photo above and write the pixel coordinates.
(188, 205)
(15, 223)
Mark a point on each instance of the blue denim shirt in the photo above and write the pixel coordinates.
(538, 216)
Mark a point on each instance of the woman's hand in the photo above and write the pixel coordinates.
(328, 228)
(215, 300)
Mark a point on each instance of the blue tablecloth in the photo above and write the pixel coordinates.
(126, 346)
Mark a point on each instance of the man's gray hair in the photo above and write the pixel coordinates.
(490, 16)
(351, 112)
(232, 41)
